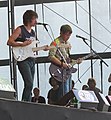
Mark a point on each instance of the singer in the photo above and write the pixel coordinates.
(57, 59)
(24, 34)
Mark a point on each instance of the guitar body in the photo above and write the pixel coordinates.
(22, 53)
(57, 71)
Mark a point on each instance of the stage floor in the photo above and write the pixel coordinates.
(17, 110)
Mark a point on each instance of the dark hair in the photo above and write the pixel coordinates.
(65, 28)
(50, 80)
(41, 99)
(28, 15)
(36, 89)
(91, 80)
(84, 87)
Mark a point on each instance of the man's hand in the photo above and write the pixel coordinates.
(46, 48)
(27, 42)
(66, 65)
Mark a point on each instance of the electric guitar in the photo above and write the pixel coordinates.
(62, 74)
(22, 53)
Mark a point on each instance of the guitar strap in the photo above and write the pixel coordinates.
(62, 50)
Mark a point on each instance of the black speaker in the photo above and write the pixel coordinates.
(66, 98)
(103, 103)
(82, 99)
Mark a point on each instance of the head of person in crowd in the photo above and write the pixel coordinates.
(91, 83)
(84, 87)
(36, 91)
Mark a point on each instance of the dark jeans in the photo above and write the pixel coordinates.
(27, 70)
(64, 87)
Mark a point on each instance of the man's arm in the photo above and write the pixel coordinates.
(54, 59)
(11, 41)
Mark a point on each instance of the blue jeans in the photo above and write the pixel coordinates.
(27, 70)
(64, 87)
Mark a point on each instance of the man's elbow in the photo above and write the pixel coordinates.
(50, 57)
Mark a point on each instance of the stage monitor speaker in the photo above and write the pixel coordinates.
(6, 89)
(86, 99)
(103, 103)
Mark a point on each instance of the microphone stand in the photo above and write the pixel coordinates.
(101, 61)
(62, 73)
(62, 60)
(47, 30)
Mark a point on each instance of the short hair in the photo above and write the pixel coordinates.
(36, 89)
(65, 29)
(28, 15)
(91, 80)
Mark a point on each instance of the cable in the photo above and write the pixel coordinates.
(89, 67)
(77, 26)
(51, 32)
(95, 19)
(84, 32)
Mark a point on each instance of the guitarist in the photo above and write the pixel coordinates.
(55, 57)
(24, 33)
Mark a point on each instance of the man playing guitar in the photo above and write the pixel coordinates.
(22, 37)
(59, 56)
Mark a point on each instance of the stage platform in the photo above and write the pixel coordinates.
(17, 110)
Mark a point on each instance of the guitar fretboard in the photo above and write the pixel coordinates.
(87, 56)
(83, 58)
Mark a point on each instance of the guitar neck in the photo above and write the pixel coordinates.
(83, 58)
(87, 56)
(49, 47)
(38, 48)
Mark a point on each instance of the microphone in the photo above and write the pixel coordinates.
(81, 37)
(42, 23)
